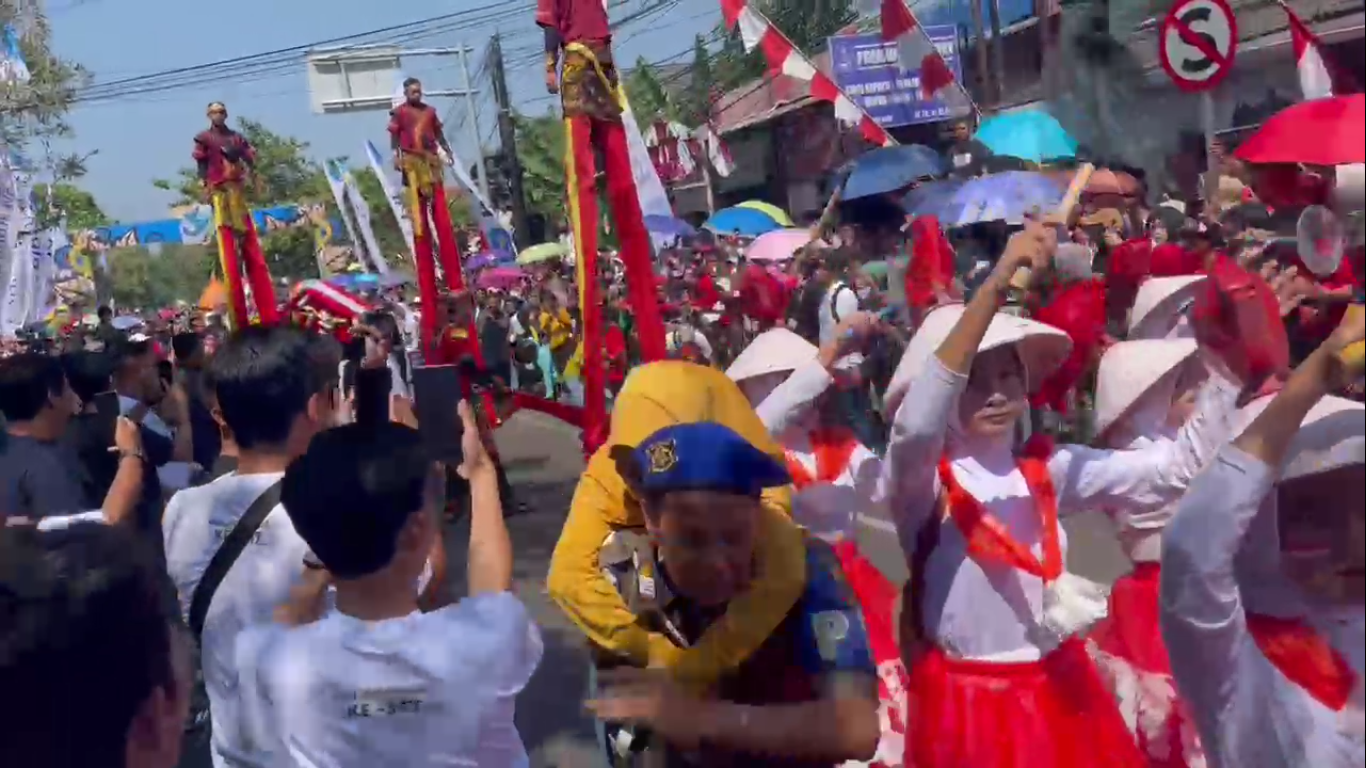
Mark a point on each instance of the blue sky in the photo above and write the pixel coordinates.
(147, 136)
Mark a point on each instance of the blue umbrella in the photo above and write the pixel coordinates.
(668, 226)
(744, 221)
(1032, 135)
(888, 169)
(1007, 197)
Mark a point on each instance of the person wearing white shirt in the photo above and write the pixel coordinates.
(1264, 575)
(992, 619)
(376, 681)
(275, 389)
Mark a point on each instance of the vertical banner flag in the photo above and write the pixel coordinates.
(335, 172)
(367, 230)
(7, 226)
(649, 189)
(16, 299)
(390, 191)
(45, 248)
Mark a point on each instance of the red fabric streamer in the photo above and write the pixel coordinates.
(1079, 311)
(1237, 316)
(1172, 260)
(931, 269)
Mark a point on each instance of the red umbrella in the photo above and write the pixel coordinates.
(1328, 131)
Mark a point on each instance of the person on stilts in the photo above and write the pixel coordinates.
(225, 159)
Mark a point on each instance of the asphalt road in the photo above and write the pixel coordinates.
(543, 461)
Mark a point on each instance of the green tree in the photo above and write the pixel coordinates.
(648, 98)
(808, 23)
(540, 147)
(37, 109)
(62, 201)
(284, 176)
(697, 100)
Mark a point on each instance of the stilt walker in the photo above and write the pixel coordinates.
(419, 144)
(578, 66)
(225, 158)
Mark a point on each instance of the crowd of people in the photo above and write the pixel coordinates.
(209, 541)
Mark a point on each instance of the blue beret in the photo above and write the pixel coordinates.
(706, 456)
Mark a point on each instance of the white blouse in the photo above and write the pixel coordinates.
(991, 611)
(1249, 714)
(830, 510)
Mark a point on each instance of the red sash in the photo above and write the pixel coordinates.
(832, 446)
(1304, 657)
(988, 539)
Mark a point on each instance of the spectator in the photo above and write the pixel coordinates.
(429, 688)
(105, 332)
(95, 671)
(965, 154)
(275, 392)
(39, 471)
(190, 358)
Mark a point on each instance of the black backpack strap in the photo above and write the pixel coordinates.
(835, 302)
(233, 546)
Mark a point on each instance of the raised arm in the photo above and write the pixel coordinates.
(1149, 477)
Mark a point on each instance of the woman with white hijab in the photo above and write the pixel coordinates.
(1262, 579)
(1145, 391)
(991, 618)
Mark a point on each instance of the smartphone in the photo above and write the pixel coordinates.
(372, 398)
(106, 416)
(436, 393)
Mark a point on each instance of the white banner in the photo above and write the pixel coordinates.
(649, 189)
(45, 248)
(367, 231)
(15, 300)
(395, 194)
(7, 227)
(335, 171)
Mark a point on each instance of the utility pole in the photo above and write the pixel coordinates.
(476, 138)
(507, 132)
(998, 69)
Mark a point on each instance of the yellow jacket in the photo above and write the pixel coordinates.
(655, 396)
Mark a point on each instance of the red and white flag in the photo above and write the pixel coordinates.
(783, 58)
(1316, 82)
(717, 151)
(915, 51)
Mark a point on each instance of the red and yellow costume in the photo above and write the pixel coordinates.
(417, 138)
(224, 158)
(578, 43)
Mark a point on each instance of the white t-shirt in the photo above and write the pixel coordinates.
(434, 689)
(839, 302)
(194, 525)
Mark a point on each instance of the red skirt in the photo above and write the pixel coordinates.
(1052, 713)
(1128, 651)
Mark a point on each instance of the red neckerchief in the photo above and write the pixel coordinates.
(832, 446)
(988, 539)
(1300, 653)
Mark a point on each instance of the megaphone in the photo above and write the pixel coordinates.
(1320, 234)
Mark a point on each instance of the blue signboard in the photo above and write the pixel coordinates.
(868, 69)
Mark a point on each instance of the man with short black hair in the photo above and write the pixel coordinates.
(94, 670)
(276, 389)
(39, 473)
(377, 682)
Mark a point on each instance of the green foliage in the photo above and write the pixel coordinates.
(140, 278)
(806, 22)
(284, 174)
(37, 109)
(540, 147)
(69, 202)
(646, 94)
(696, 108)
(291, 253)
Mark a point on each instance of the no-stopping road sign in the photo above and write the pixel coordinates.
(1196, 43)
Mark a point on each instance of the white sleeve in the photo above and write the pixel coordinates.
(509, 648)
(910, 471)
(60, 522)
(789, 400)
(1150, 477)
(1203, 621)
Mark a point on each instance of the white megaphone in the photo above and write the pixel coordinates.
(1320, 235)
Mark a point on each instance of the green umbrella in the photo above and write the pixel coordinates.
(543, 252)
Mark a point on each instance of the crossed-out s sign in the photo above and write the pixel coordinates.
(1196, 43)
